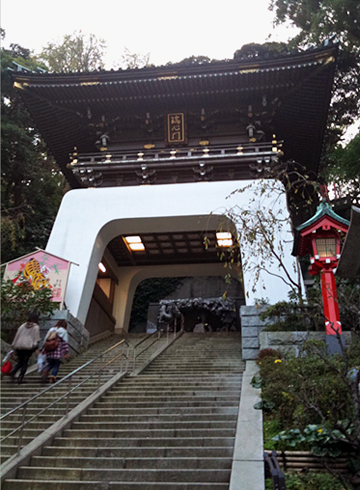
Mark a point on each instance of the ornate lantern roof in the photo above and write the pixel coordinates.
(325, 219)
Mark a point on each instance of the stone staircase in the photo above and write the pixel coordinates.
(12, 394)
(170, 427)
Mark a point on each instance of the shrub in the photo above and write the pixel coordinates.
(311, 481)
(316, 403)
(290, 316)
(268, 352)
(17, 301)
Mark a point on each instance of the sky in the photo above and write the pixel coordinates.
(167, 29)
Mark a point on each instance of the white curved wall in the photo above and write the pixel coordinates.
(89, 218)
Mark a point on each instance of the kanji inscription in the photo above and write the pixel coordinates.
(176, 128)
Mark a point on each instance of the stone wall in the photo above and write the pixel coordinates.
(292, 341)
(251, 326)
(78, 335)
(254, 338)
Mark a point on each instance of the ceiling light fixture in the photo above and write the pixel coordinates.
(224, 239)
(102, 267)
(137, 247)
(133, 239)
(134, 243)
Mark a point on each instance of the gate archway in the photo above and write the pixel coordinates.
(90, 219)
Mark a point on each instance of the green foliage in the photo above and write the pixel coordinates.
(266, 50)
(293, 316)
(150, 291)
(31, 184)
(191, 61)
(344, 166)
(315, 405)
(314, 399)
(340, 21)
(76, 52)
(271, 427)
(311, 481)
(17, 301)
(256, 381)
(134, 60)
(321, 440)
(348, 292)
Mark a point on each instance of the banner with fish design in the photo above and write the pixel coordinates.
(41, 270)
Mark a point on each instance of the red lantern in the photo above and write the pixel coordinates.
(320, 237)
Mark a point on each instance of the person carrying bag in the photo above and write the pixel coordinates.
(26, 342)
(55, 348)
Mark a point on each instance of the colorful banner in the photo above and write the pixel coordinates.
(41, 270)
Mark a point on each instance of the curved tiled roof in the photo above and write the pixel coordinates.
(300, 84)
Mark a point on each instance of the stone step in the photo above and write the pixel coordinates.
(190, 371)
(150, 425)
(48, 399)
(171, 427)
(28, 434)
(192, 463)
(182, 397)
(195, 391)
(139, 452)
(37, 405)
(187, 361)
(174, 403)
(22, 484)
(147, 442)
(114, 416)
(147, 380)
(124, 475)
(36, 424)
(150, 433)
(174, 410)
(179, 411)
(228, 376)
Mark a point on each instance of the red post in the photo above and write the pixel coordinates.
(330, 302)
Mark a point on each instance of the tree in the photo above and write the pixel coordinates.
(319, 20)
(17, 301)
(132, 61)
(266, 50)
(31, 184)
(343, 168)
(76, 52)
(260, 223)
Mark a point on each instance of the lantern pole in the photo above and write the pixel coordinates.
(320, 238)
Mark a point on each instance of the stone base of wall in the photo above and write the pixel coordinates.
(254, 338)
(292, 341)
(78, 335)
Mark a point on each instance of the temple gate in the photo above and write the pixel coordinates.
(152, 155)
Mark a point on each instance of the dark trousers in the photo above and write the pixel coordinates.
(23, 360)
(53, 365)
